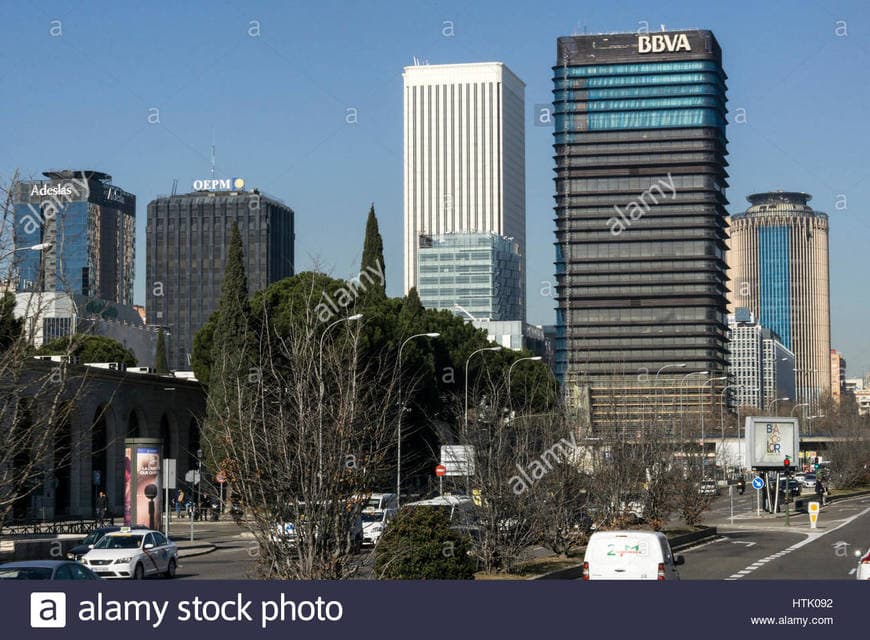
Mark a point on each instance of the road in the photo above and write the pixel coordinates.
(770, 551)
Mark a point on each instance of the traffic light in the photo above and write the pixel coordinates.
(816, 463)
(787, 464)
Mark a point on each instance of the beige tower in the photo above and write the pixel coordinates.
(778, 261)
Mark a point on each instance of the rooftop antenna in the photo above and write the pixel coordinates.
(212, 153)
(174, 186)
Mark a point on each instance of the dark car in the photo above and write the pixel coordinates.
(46, 570)
(791, 485)
(87, 543)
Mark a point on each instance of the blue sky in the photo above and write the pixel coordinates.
(277, 104)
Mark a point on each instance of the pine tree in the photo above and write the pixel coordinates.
(160, 355)
(412, 311)
(372, 268)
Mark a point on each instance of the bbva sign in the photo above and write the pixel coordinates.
(661, 42)
(220, 184)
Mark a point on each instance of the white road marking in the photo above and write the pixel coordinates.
(852, 572)
(811, 537)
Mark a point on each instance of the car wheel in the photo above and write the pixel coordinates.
(139, 572)
(170, 570)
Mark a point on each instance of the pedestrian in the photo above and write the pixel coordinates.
(179, 500)
(820, 491)
(101, 506)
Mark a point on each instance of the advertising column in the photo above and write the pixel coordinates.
(143, 481)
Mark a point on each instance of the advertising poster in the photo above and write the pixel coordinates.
(771, 441)
(148, 486)
(128, 484)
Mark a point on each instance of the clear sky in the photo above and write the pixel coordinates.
(274, 83)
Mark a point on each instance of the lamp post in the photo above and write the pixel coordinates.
(682, 381)
(739, 439)
(681, 365)
(802, 404)
(703, 434)
(401, 411)
(42, 246)
(466, 378)
(774, 401)
(722, 422)
(810, 421)
(356, 316)
(511, 368)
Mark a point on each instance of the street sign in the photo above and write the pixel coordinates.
(757, 483)
(169, 473)
(192, 476)
(458, 459)
(220, 478)
(440, 470)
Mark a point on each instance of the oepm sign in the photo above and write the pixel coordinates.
(770, 440)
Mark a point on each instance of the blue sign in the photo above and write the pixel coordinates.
(757, 483)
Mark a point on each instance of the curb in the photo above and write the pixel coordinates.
(199, 550)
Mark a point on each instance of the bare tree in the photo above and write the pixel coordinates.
(304, 435)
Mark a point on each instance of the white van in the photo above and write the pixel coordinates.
(381, 502)
(630, 555)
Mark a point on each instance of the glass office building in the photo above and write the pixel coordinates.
(188, 237)
(641, 224)
(90, 225)
(479, 274)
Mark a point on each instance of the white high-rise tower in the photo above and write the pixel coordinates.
(464, 155)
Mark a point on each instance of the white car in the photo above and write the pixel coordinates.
(132, 553)
(863, 572)
(374, 523)
(630, 555)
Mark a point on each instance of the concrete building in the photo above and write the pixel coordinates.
(188, 236)
(52, 315)
(778, 362)
(464, 155)
(516, 335)
(107, 406)
(779, 270)
(761, 368)
(480, 272)
(746, 355)
(640, 147)
(838, 375)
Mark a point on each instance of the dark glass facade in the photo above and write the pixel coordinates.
(641, 225)
(188, 236)
(91, 227)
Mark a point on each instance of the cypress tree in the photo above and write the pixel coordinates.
(232, 349)
(372, 263)
(160, 355)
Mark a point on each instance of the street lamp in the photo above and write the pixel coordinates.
(511, 368)
(683, 380)
(681, 365)
(42, 246)
(802, 404)
(703, 434)
(401, 411)
(356, 316)
(774, 401)
(466, 378)
(739, 439)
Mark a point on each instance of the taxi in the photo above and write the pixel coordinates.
(134, 554)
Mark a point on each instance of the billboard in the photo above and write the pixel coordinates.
(770, 440)
(143, 489)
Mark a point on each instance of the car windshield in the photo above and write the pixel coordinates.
(373, 517)
(93, 537)
(25, 573)
(119, 542)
